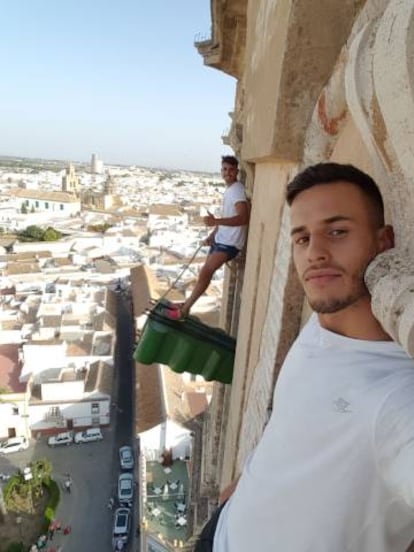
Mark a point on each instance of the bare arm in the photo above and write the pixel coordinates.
(240, 219)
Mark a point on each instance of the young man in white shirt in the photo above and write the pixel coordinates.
(228, 237)
(334, 470)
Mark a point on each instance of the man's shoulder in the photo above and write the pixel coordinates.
(236, 190)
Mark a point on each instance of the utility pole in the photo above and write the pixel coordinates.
(3, 508)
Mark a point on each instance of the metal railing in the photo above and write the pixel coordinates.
(199, 38)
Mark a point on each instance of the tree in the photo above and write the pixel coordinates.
(32, 233)
(51, 234)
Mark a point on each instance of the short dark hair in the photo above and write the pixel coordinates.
(230, 159)
(328, 173)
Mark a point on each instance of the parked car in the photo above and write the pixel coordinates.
(65, 438)
(125, 488)
(122, 523)
(89, 435)
(126, 458)
(14, 444)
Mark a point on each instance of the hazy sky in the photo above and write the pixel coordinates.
(121, 79)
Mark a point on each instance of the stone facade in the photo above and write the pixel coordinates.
(317, 81)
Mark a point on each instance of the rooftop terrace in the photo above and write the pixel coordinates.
(167, 493)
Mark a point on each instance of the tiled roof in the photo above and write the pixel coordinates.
(150, 410)
(165, 210)
(144, 286)
(99, 378)
(197, 403)
(22, 268)
(183, 402)
(61, 197)
(28, 255)
(9, 369)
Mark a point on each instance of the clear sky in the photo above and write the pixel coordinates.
(118, 78)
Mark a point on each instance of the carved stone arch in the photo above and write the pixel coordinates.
(394, 89)
(381, 101)
(362, 104)
(328, 118)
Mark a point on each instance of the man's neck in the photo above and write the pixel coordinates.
(355, 321)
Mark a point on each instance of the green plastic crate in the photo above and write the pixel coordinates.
(186, 346)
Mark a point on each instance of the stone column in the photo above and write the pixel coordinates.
(390, 280)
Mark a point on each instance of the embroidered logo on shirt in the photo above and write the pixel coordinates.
(342, 406)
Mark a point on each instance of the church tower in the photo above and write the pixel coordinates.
(70, 182)
(109, 186)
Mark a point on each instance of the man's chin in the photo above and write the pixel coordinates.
(328, 307)
(335, 304)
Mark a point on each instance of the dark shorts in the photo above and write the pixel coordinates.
(206, 539)
(230, 250)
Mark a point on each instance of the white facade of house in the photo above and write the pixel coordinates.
(59, 206)
(14, 419)
(61, 415)
(166, 220)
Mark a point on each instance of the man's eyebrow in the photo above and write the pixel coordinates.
(329, 220)
(297, 230)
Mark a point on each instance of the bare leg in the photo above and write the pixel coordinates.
(213, 262)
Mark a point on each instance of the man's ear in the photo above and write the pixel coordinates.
(385, 238)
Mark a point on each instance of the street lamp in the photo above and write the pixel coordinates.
(28, 478)
(19, 525)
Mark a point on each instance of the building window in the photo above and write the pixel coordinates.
(46, 205)
(37, 203)
(15, 411)
(54, 411)
(96, 420)
(61, 206)
(95, 408)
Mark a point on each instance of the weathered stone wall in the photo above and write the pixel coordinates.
(317, 81)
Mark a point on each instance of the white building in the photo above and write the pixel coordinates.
(97, 165)
(61, 204)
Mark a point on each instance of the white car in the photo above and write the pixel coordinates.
(65, 438)
(14, 444)
(126, 458)
(125, 488)
(122, 523)
(89, 435)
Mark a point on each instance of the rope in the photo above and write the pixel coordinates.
(186, 266)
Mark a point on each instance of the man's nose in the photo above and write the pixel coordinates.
(317, 249)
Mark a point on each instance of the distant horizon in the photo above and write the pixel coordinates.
(106, 163)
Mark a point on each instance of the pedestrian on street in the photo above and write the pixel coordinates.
(68, 483)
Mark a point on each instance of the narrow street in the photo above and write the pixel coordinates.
(124, 423)
(125, 375)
